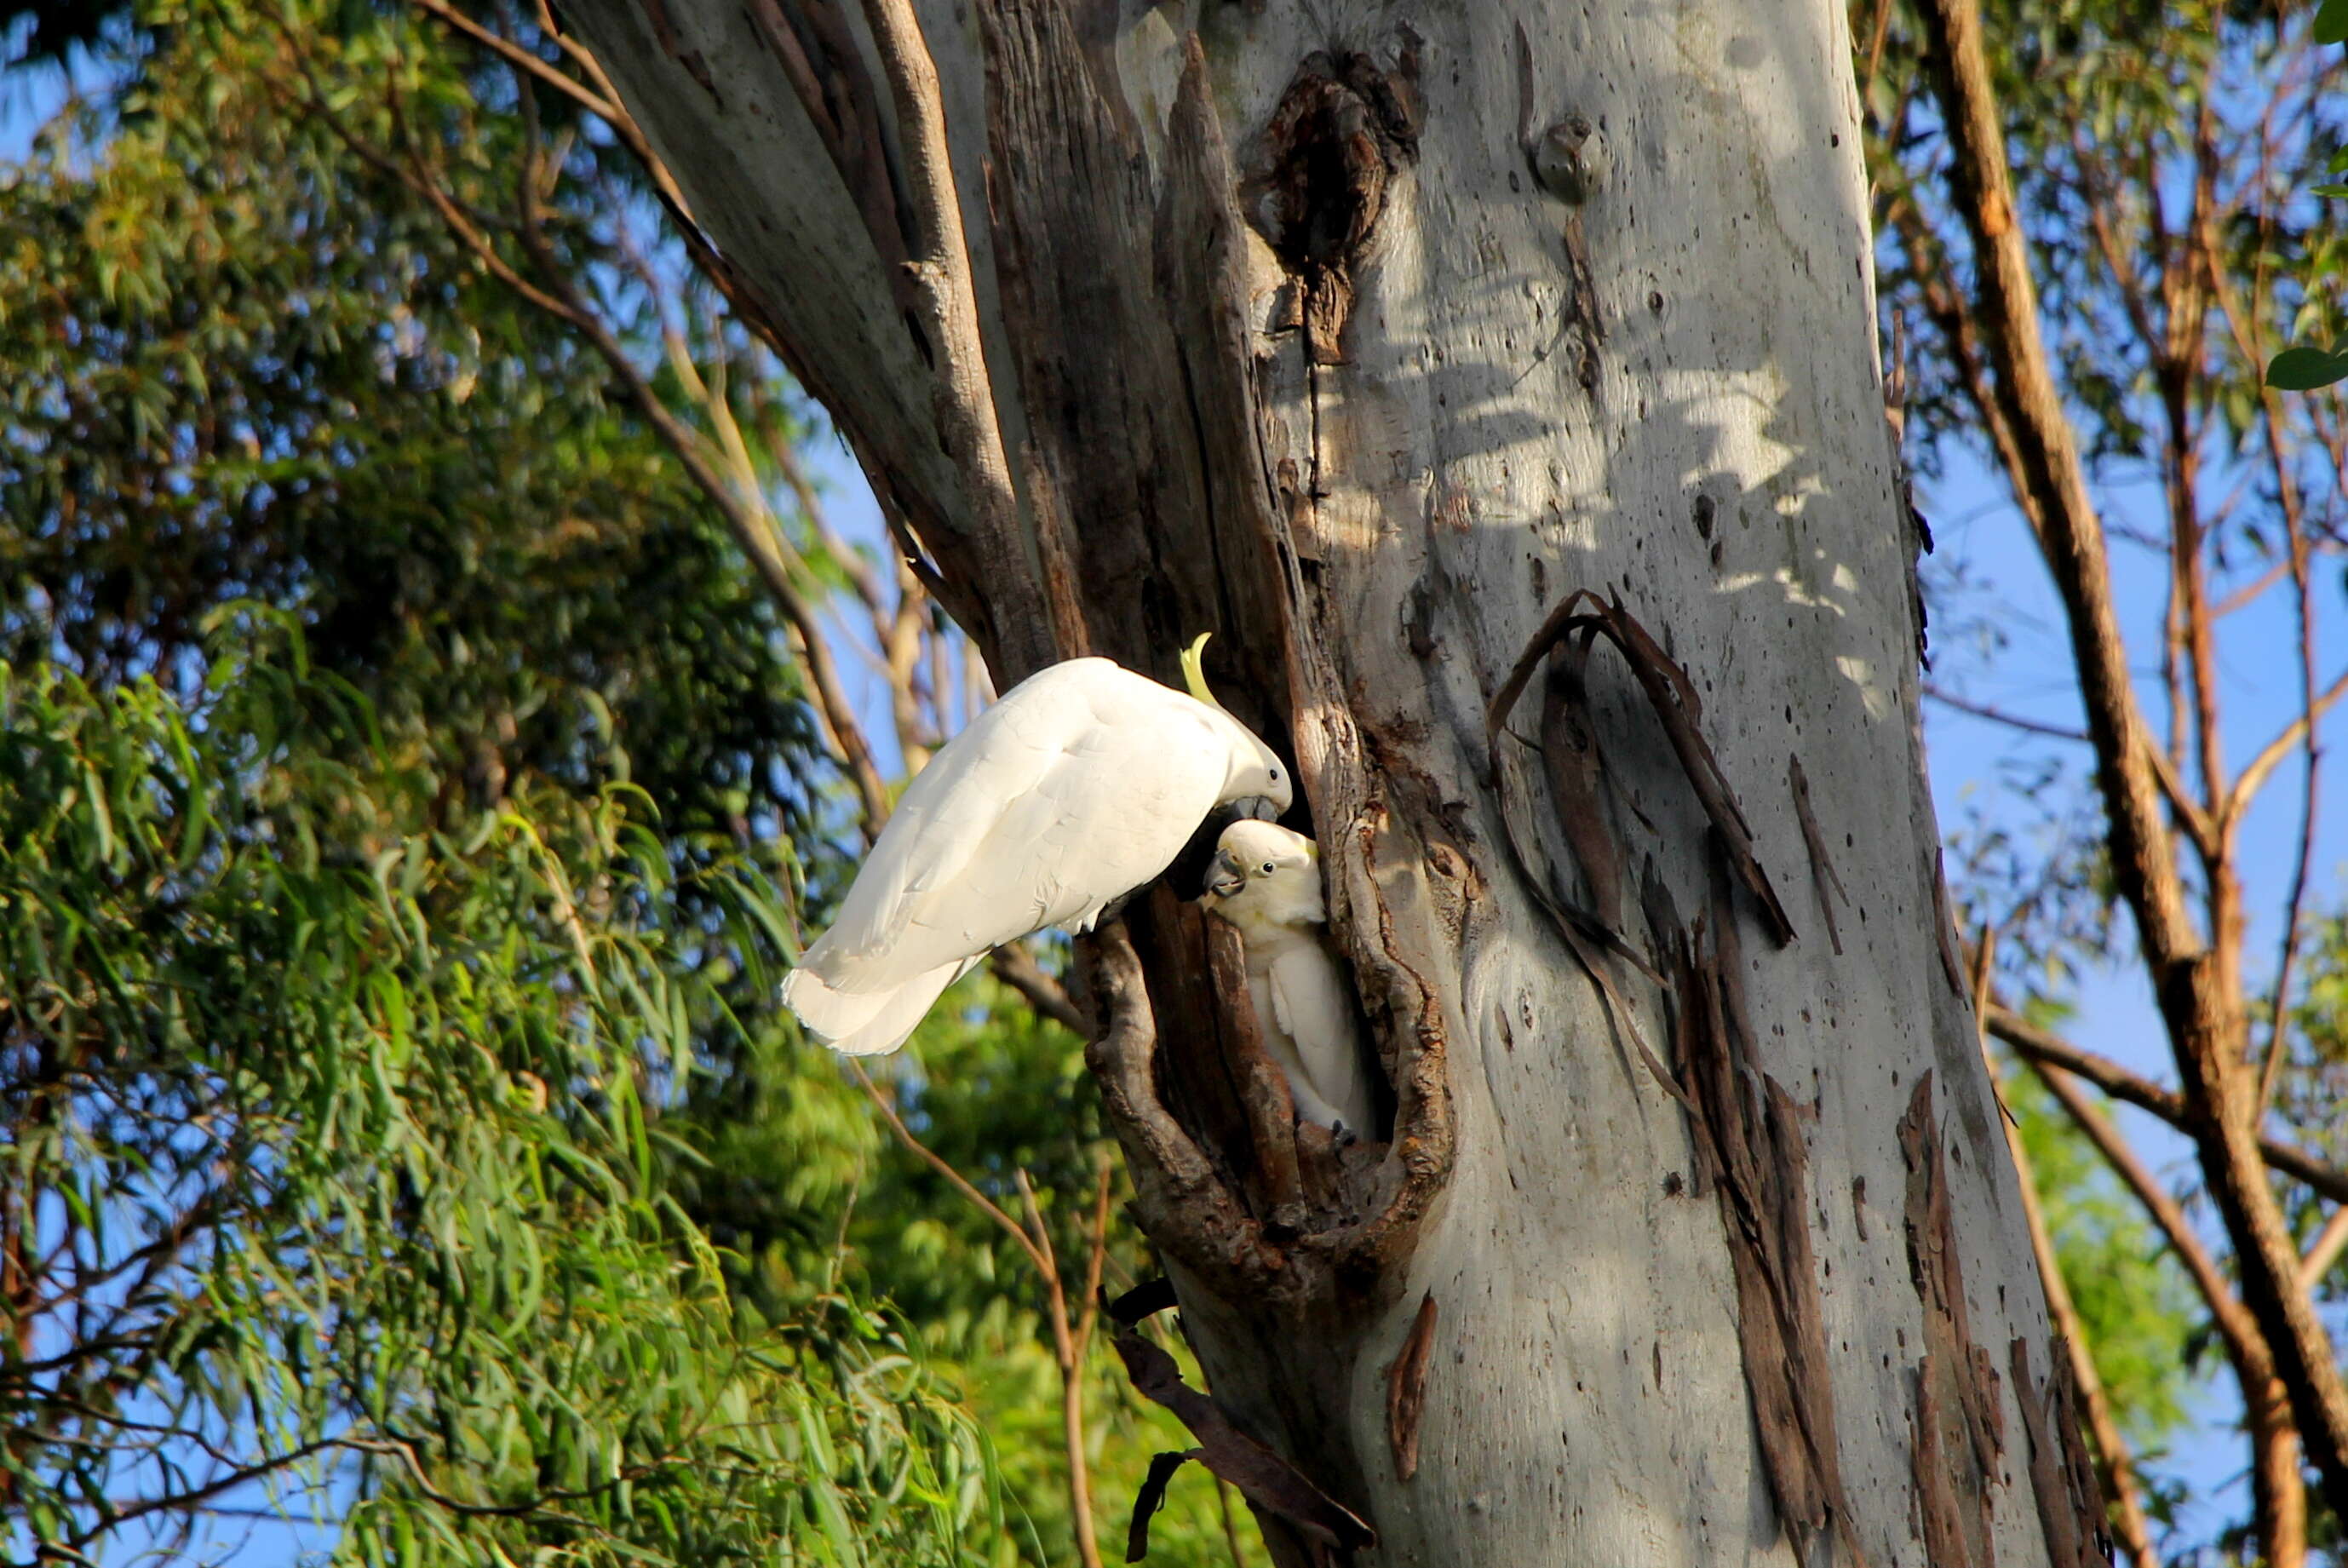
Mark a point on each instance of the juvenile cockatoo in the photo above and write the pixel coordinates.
(1081, 784)
(1266, 881)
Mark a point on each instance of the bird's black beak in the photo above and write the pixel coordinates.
(1224, 877)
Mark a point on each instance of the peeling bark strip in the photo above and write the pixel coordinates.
(1262, 1477)
(1958, 1430)
(1823, 881)
(1757, 1160)
(1577, 773)
(1151, 1295)
(1151, 1497)
(1318, 182)
(2059, 1472)
(2078, 1465)
(1570, 753)
(1676, 703)
(1407, 1389)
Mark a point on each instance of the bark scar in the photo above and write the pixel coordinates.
(1823, 880)
(1407, 1389)
(1320, 177)
(664, 33)
(1583, 315)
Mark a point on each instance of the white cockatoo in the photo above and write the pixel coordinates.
(1266, 881)
(1083, 783)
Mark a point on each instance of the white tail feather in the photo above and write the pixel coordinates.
(867, 1024)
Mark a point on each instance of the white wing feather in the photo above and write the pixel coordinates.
(1082, 784)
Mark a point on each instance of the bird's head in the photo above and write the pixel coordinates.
(1258, 785)
(1264, 867)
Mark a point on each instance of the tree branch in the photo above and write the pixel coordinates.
(2324, 1250)
(938, 280)
(751, 529)
(2042, 1046)
(943, 1167)
(1068, 1351)
(2226, 1310)
(1016, 967)
(2198, 986)
(522, 59)
(2253, 776)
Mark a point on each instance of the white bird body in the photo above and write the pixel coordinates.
(1081, 784)
(1267, 882)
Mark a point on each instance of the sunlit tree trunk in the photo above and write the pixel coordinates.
(1377, 341)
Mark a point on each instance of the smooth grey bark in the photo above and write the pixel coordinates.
(1365, 335)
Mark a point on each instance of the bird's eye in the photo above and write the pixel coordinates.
(1267, 867)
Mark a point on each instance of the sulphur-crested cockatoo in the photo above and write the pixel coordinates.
(1081, 784)
(1266, 881)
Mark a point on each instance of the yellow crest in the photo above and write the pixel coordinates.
(1194, 675)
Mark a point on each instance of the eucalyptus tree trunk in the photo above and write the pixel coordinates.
(1501, 385)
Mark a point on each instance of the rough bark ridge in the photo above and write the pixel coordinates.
(1420, 352)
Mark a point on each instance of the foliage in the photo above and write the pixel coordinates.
(2304, 368)
(793, 1166)
(243, 363)
(2315, 1083)
(333, 1167)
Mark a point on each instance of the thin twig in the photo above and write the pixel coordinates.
(2190, 813)
(1035, 1239)
(2226, 1310)
(2324, 1250)
(2044, 1046)
(522, 59)
(954, 1178)
(1948, 698)
(1230, 1524)
(1069, 1352)
(2253, 776)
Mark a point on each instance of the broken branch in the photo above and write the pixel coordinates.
(1263, 1478)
